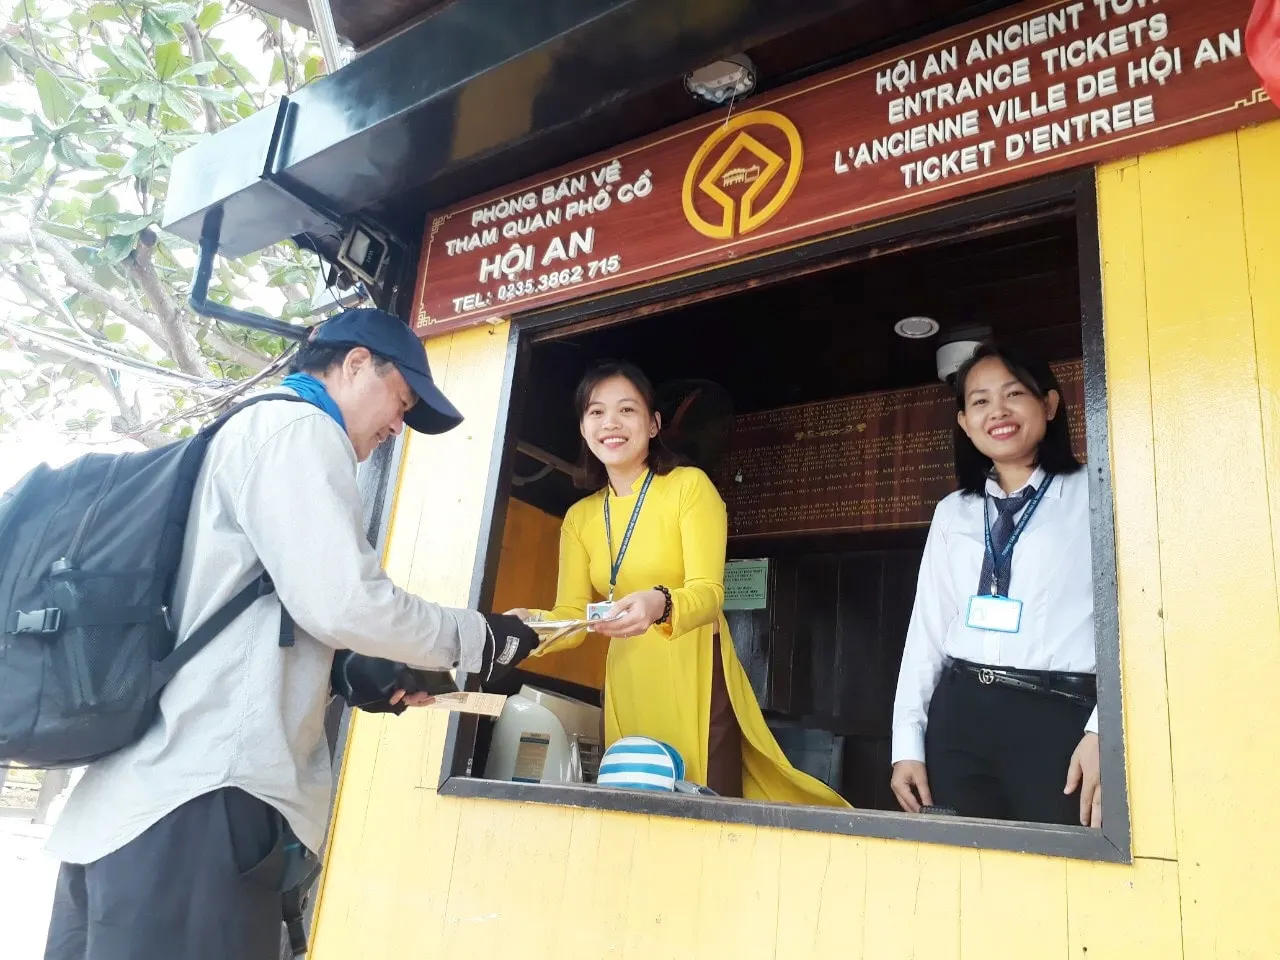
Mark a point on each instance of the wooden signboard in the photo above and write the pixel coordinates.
(875, 461)
(1024, 92)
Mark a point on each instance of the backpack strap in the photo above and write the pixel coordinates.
(237, 605)
(202, 635)
(209, 429)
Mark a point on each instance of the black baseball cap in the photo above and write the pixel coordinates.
(390, 338)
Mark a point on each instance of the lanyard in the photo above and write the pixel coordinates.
(1005, 560)
(616, 565)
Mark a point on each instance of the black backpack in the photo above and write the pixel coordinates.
(88, 558)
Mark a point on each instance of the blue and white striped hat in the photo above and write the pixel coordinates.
(640, 763)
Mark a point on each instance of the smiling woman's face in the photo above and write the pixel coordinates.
(1002, 417)
(617, 425)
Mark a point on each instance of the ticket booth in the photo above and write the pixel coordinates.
(1095, 182)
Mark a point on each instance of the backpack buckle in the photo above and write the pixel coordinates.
(48, 620)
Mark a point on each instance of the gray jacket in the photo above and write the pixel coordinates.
(277, 490)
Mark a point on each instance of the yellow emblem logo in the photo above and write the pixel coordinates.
(745, 162)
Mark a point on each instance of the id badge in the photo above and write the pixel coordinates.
(997, 614)
(599, 611)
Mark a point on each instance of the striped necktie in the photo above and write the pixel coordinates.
(1007, 510)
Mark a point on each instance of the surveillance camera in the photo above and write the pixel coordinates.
(951, 357)
(365, 252)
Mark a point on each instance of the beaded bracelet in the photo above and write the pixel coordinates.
(666, 610)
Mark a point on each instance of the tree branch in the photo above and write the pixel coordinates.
(79, 279)
(34, 289)
(185, 350)
(235, 352)
(128, 422)
(212, 122)
(44, 194)
(236, 77)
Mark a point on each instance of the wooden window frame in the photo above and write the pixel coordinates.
(1071, 194)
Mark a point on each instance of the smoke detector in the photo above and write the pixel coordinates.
(916, 328)
(958, 348)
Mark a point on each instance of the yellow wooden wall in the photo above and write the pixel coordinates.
(1191, 250)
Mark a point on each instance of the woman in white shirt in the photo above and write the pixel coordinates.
(995, 714)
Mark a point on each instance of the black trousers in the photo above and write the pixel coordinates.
(1000, 753)
(185, 889)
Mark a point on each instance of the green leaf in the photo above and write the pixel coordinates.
(97, 187)
(68, 153)
(114, 332)
(93, 101)
(148, 91)
(313, 68)
(68, 233)
(131, 226)
(169, 59)
(30, 155)
(155, 29)
(140, 135)
(214, 95)
(109, 57)
(53, 98)
(103, 205)
(140, 163)
(111, 161)
(131, 52)
(201, 69)
(209, 16)
(173, 12)
(39, 129)
(106, 11)
(10, 113)
(117, 248)
(175, 101)
(6, 68)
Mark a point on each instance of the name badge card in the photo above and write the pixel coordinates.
(997, 614)
(599, 611)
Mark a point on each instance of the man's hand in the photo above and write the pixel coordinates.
(412, 700)
(1084, 773)
(510, 640)
(372, 684)
(910, 783)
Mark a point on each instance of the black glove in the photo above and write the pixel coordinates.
(510, 640)
(370, 682)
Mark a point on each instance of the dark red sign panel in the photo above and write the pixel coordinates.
(1027, 91)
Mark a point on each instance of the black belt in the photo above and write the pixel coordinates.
(1080, 687)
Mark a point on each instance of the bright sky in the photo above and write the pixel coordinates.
(37, 443)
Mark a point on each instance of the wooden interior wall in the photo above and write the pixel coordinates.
(1190, 242)
(527, 578)
(824, 655)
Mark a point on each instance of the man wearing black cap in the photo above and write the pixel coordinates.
(174, 846)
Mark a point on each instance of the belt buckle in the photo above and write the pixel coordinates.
(986, 676)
